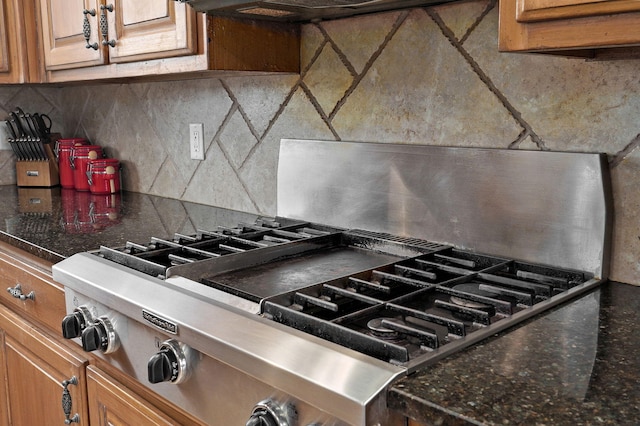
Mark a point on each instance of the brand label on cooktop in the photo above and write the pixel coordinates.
(161, 323)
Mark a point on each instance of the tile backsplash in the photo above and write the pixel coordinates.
(422, 76)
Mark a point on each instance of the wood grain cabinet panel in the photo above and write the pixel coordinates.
(575, 27)
(111, 404)
(546, 10)
(28, 275)
(33, 370)
(141, 30)
(18, 42)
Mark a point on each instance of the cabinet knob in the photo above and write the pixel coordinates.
(17, 293)
(67, 403)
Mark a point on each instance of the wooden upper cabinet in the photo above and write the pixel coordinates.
(566, 25)
(17, 42)
(154, 39)
(546, 10)
(63, 37)
(135, 30)
(140, 30)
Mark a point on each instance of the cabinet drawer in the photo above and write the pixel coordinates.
(30, 274)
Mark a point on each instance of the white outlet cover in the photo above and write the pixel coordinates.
(196, 141)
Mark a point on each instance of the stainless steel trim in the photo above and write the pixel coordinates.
(552, 208)
(340, 382)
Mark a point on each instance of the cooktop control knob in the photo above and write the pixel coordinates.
(100, 335)
(74, 323)
(171, 363)
(271, 413)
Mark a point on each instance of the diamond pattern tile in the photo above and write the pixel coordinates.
(392, 77)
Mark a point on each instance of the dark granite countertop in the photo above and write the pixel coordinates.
(55, 223)
(575, 365)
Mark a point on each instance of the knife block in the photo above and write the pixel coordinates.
(40, 173)
(37, 173)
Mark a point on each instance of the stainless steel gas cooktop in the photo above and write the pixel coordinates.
(382, 259)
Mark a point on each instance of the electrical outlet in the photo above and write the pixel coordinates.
(196, 141)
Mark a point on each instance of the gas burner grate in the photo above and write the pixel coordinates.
(419, 304)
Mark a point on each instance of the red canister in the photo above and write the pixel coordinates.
(63, 152)
(80, 157)
(104, 176)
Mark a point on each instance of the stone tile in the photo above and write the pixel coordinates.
(259, 173)
(8, 92)
(30, 100)
(72, 101)
(7, 168)
(52, 95)
(572, 104)
(625, 255)
(99, 121)
(460, 18)
(169, 181)
(172, 214)
(216, 183)
(360, 37)
(328, 79)
(429, 96)
(528, 144)
(171, 106)
(311, 40)
(237, 140)
(133, 140)
(261, 97)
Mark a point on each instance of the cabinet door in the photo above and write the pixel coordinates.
(35, 366)
(112, 404)
(150, 29)
(63, 38)
(563, 25)
(542, 10)
(14, 48)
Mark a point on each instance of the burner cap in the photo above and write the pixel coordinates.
(377, 329)
(473, 289)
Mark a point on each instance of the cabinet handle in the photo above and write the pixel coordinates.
(104, 25)
(86, 28)
(17, 293)
(67, 403)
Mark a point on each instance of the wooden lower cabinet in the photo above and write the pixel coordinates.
(32, 373)
(110, 403)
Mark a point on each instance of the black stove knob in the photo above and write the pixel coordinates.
(271, 413)
(72, 325)
(262, 419)
(101, 335)
(162, 367)
(171, 363)
(75, 322)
